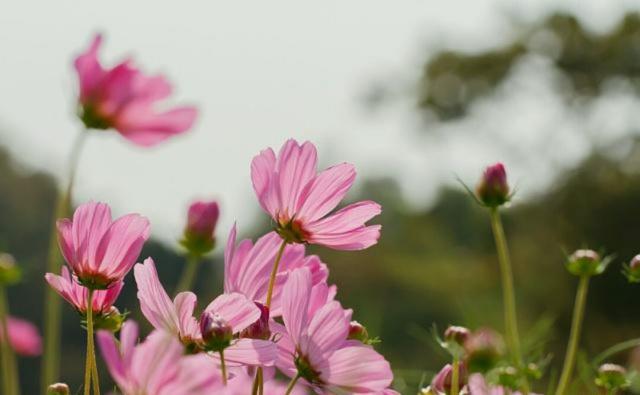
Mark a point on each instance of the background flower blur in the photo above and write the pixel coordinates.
(414, 93)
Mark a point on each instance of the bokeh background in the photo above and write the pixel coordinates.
(415, 93)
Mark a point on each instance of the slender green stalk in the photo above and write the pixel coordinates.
(613, 350)
(51, 357)
(88, 366)
(292, 384)
(9, 370)
(574, 337)
(508, 292)
(455, 373)
(223, 367)
(258, 383)
(274, 271)
(189, 273)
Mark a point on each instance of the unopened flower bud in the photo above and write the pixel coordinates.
(612, 377)
(484, 348)
(632, 270)
(199, 233)
(493, 189)
(508, 377)
(456, 334)
(357, 331)
(58, 389)
(441, 383)
(585, 263)
(260, 328)
(9, 271)
(216, 332)
(110, 320)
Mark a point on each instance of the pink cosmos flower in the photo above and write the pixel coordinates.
(247, 267)
(68, 287)
(23, 337)
(314, 343)
(177, 317)
(125, 99)
(99, 251)
(157, 365)
(300, 199)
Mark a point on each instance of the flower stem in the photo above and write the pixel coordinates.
(508, 292)
(189, 273)
(88, 366)
(613, 350)
(292, 384)
(455, 373)
(223, 367)
(9, 369)
(51, 357)
(274, 272)
(574, 337)
(258, 383)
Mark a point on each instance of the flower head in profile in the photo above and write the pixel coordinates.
(300, 199)
(233, 310)
(100, 251)
(106, 315)
(157, 365)
(247, 267)
(199, 234)
(314, 343)
(125, 99)
(23, 337)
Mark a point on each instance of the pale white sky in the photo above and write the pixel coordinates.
(265, 71)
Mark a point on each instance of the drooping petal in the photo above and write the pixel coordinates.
(112, 357)
(238, 311)
(143, 126)
(294, 302)
(325, 192)
(252, 352)
(296, 167)
(262, 173)
(154, 301)
(357, 369)
(90, 73)
(346, 228)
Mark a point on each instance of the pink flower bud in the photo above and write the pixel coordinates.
(484, 348)
(199, 233)
(456, 334)
(585, 262)
(216, 332)
(493, 189)
(612, 377)
(441, 382)
(259, 329)
(357, 331)
(58, 389)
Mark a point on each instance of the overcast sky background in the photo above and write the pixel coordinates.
(262, 72)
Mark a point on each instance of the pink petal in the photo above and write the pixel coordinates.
(185, 304)
(154, 361)
(294, 302)
(345, 229)
(327, 331)
(111, 356)
(357, 369)
(128, 340)
(251, 352)
(121, 245)
(198, 375)
(286, 349)
(24, 337)
(154, 301)
(325, 192)
(236, 309)
(296, 168)
(65, 240)
(88, 68)
(143, 126)
(262, 172)
(90, 222)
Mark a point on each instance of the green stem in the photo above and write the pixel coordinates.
(9, 369)
(258, 382)
(223, 367)
(574, 337)
(51, 357)
(88, 366)
(455, 373)
(188, 274)
(274, 272)
(613, 350)
(508, 292)
(292, 384)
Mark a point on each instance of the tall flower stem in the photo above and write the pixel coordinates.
(455, 373)
(88, 366)
(51, 357)
(9, 369)
(292, 384)
(189, 273)
(223, 367)
(259, 380)
(574, 337)
(508, 292)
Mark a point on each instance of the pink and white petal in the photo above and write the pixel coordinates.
(185, 304)
(357, 239)
(87, 65)
(252, 352)
(62, 287)
(128, 340)
(357, 369)
(286, 349)
(104, 299)
(347, 219)
(65, 240)
(121, 245)
(154, 301)
(24, 337)
(236, 309)
(327, 331)
(151, 88)
(90, 222)
(297, 166)
(154, 361)
(263, 167)
(325, 192)
(145, 127)
(112, 357)
(294, 302)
